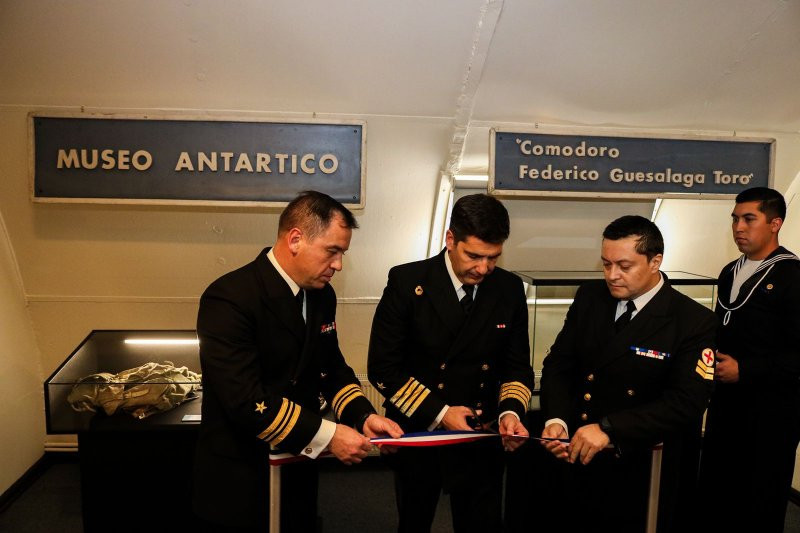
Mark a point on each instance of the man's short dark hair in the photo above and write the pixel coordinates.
(650, 242)
(312, 212)
(481, 216)
(770, 201)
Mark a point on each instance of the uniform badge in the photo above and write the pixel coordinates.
(381, 386)
(327, 328)
(652, 354)
(260, 407)
(418, 290)
(705, 365)
(501, 326)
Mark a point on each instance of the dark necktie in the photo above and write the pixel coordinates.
(299, 299)
(625, 317)
(466, 301)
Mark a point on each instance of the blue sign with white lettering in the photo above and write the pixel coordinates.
(590, 165)
(195, 161)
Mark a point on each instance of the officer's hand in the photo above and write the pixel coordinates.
(348, 445)
(513, 432)
(455, 419)
(586, 442)
(380, 426)
(556, 447)
(727, 369)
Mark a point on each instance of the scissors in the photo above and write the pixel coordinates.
(475, 422)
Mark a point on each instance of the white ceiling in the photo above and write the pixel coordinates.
(683, 64)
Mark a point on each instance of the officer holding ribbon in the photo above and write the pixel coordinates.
(631, 368)
(268, 349)
(449, 350)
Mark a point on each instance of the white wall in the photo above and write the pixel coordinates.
(790, 232)
(21, 396)
(697, 233)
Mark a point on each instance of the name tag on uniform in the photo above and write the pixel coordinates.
(653, 354)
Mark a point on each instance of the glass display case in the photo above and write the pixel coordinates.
(144, 449)
(170, 365)
(550, 293)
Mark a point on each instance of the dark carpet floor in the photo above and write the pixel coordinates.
(352, 499)
(359, 499)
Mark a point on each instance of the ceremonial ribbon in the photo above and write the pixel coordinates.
(434, 438)
(420, 439)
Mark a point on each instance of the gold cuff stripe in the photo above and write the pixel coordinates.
(513, 394)
(410, 396)
(344, 390)
(399, 394)
(517, 390)
(276, 421)
(279, 428)
(416, 403)
(295, 414)
(522, 399)
(516, 385)
(345, 396)
(287, 416)
(339, 408)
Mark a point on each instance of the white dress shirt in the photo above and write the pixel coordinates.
(324, 435)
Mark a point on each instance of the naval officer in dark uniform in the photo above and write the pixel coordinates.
(628, 370)
(268, 348)
(753, 424)
(449, 349)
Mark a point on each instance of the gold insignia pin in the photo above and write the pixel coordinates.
(381, 386)
(260, 407)
(418, 290)
(769, 287)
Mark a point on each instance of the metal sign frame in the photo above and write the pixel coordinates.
(187, 118)
(595, 132)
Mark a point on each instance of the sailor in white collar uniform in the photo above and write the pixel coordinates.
(753, 424)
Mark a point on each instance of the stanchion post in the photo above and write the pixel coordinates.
(274, 498)
(655, 487)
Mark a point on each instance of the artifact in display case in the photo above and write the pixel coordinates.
(115, 377)
(134, 400)
(551, 292)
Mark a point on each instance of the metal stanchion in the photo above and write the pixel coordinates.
(655, 486)
(274, 498)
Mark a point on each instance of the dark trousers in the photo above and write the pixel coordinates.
(299, 489)
(608, 494)
(299, 486)
(746, 468)
(586, 499)
(472, 475)
(611, 493)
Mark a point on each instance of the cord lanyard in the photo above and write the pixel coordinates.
(768, 264)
